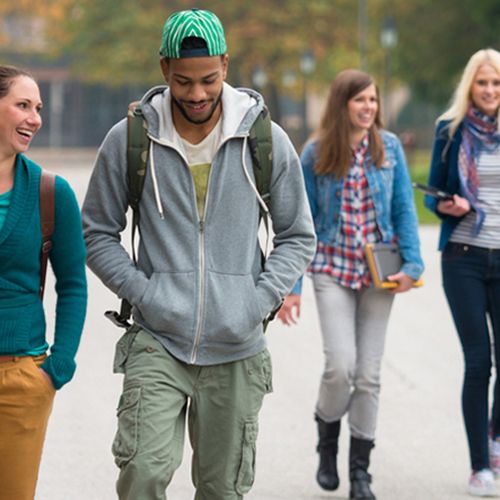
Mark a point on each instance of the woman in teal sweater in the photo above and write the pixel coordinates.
(29, 375)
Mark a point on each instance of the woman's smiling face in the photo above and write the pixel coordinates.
(362, 109)
(485, 90)
(20, 116)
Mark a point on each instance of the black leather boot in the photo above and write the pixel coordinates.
(359, 460)
(328, 445)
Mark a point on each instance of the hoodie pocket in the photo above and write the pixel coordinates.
(169, 302)
(232, 307)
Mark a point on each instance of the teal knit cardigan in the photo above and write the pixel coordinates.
(22, 319)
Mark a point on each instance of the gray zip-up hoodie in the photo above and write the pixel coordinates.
(199, 286)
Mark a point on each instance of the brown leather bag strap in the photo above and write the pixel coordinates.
(47, 222)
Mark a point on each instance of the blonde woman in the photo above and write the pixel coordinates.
(466, 163)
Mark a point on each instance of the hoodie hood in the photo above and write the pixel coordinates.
(245, 105)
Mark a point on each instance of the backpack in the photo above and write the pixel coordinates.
(260, 142)
(47, 222)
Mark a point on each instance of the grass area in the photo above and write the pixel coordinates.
(418, 162)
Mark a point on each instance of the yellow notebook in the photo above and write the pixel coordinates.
(383, 260)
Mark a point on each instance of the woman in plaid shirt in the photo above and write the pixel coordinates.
(360, 192)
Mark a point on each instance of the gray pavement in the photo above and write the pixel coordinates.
(421, 452)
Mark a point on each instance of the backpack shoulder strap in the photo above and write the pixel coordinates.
(137, 152)
(261, 149)
(47, 222)
(137, 161)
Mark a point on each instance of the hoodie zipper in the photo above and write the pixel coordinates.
(201, 241)
(201, 263)
(201, 292)
(201, 250)
(201, 247)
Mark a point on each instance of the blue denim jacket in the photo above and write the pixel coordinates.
(392, 194)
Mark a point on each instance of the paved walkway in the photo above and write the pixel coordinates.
(421, 452)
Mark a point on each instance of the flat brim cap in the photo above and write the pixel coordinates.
(192, 23)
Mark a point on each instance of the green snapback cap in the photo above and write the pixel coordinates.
(194, 23)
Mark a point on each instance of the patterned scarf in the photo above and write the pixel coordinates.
(479, 132)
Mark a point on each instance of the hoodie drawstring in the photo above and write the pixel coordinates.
(155, 181)
(262, 203)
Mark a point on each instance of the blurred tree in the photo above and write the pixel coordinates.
(22, 27)
(117, 41)
(437, 37)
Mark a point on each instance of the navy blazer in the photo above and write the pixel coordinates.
(444, 175)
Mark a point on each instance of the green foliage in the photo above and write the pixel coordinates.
(437, 37)
(419, 172)
(116, 41)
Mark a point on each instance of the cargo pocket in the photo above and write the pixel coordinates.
(267, 371)
(246, 472)
(122, 349)
(126, 440)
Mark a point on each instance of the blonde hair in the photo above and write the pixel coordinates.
(462, 95)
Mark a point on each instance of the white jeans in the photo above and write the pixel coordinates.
(353, 325)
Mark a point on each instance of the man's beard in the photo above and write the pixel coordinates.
(192, 120)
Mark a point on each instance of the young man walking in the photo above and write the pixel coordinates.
(199, 291)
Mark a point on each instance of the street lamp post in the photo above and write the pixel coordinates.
(259, 78)
(56, 129)
(307, 67)
(388, 40)
(289, 78)
(362, 30)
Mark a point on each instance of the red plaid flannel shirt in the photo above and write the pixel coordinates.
(345, 261)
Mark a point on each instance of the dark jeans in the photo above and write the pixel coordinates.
(471, 280)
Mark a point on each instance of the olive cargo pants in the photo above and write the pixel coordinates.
(222, 403)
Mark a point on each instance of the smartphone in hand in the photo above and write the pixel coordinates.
(432, 191)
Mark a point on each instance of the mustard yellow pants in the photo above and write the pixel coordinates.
(26, 398)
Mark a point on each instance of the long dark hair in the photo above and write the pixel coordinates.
(334, 151)
(7, 75)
